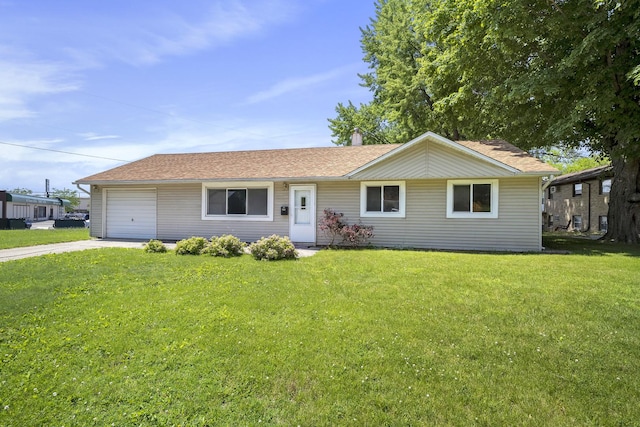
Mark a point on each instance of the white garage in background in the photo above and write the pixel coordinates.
(130, 213)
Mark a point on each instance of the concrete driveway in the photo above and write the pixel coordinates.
(81, 245)
(58, 248)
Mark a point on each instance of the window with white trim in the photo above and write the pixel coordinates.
(237, 201)
(382, 199)
(472, 198)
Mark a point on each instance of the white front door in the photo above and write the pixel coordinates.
(302, 215)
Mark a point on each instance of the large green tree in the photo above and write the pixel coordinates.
(538, 73)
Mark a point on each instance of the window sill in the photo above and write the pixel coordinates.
(382, 215)
(244, 218)
(478, 215)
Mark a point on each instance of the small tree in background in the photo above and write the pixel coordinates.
(568, 159)
(24, 191)
(70, 195)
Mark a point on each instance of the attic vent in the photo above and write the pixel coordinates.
(552, 189)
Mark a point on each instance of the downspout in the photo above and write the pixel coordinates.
(548, 183)
(542, 197)
(83, 190)
(588, 208)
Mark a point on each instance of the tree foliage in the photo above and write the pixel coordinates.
(20, 190)
(538, 73)
(568, 160)
(70, 195)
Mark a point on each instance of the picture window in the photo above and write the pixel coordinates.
(248, 202)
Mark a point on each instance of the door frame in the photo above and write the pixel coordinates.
(312, 210)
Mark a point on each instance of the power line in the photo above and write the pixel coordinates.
(63, 152)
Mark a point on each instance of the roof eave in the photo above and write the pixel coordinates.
(539, 173)
(200, 181)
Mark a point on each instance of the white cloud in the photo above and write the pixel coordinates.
(295, 84)
(144, 38)
(22, 79)
(182, 136)
(28, 167)
(147, 41)
(90, 136)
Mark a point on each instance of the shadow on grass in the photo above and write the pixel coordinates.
(554, 244)
(587, 246)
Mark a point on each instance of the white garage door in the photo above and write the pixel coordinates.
(131, 214)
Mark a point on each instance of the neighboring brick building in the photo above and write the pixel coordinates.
(578, 201)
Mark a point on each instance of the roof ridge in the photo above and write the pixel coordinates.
(262, 150)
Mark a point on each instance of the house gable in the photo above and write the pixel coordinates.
(432, 156)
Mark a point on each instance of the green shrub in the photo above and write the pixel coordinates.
(273, 248)
(191, 246)
(224, 246)
(155, 246)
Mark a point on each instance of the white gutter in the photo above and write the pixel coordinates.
(82, 189)
(548, 183)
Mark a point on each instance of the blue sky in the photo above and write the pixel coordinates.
(121, 80)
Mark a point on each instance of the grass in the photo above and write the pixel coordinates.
(21, 238)
(371, 337)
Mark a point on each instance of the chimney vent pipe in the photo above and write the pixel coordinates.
(356, 138)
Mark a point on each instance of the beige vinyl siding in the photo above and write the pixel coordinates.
(517, 227)
(409, 163)
(432, 160)
(426, 226)
(342, 196)
(180, 216)
(446, 162)
(95, 222)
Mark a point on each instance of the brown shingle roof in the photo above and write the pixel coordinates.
(325, 162)
(509, 155)
(295, 163)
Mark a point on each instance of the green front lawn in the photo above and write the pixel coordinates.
(371, 337)
(22, 238)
